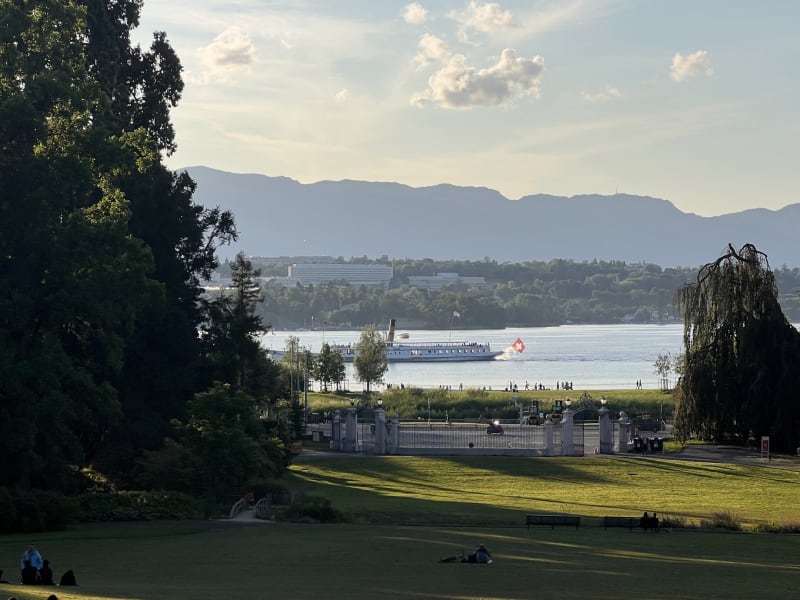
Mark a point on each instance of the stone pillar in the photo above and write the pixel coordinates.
(548, 436)
(624, 432)
(336, 431)
(567, 438)
(380, 431)
(351, 431)
(394, 436)
(606, 433)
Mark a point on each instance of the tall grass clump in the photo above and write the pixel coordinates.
(723, 520)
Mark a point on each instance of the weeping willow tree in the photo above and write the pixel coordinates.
(742, 356)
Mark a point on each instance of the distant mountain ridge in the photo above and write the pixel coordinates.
(277, 216)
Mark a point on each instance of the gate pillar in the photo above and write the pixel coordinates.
(351, 431)
(606, 441)
(624, 432)
(336, 431)
(394, 436)
(380, 431)
(567, 432)
(548, 436)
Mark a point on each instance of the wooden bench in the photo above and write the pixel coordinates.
(552, 520)
(630, 522)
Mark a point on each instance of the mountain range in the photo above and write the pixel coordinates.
(278, 216)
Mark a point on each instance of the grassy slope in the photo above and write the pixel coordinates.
(499, 490)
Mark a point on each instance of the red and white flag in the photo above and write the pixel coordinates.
(519, 345)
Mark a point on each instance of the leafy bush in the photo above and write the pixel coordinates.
(8, 510)
(35, 510)
(785, 527)
(262, 488)
(672, 522)
(138, 506)
(723, 520)
(313, 509)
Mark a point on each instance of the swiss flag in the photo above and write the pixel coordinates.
(519, 345)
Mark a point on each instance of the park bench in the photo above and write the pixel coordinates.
(552, 520)
(630, 522)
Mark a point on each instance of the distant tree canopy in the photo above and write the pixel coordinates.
(370, 363)
(529, 294)
(741, 371)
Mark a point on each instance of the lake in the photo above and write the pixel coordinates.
(590, 356)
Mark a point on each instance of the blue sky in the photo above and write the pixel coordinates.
(693, 101)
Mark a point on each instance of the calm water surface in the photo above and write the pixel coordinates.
(589, 356)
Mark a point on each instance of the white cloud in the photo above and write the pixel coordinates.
(230, 51)
(458, 85)
(485, 18)
(415, 14)
(431, 49)
(693, 65)
(342, 95)
(605, 94)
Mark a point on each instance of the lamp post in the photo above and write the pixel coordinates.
(605, 429)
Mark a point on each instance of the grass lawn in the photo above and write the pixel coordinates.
(398, 560)
(500, 490)
(183, 562)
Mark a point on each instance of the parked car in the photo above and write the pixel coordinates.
(495, 427)
(648, 423)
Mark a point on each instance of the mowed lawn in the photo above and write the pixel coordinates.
(500, 490)
(463, 502)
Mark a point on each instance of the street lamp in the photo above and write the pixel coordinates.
(568, 402)
(603, 400)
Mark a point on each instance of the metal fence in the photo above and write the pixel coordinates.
(457, 437)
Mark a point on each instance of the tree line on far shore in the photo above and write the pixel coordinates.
(530, 294)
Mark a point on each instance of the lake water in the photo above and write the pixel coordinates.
(589, 356)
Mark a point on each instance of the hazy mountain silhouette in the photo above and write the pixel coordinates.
(277, 216)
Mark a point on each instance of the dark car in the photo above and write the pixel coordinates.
(648, 423)
(495, 427)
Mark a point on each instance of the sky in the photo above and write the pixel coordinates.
(693, 101)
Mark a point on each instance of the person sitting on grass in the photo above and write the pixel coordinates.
(46, 573)
(30, 576)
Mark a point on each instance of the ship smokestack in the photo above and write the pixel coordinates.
(390, 335)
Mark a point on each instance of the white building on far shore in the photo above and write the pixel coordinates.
(352, 274)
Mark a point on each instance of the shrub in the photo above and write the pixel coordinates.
(313, 509)
(23, 511)
(723, 520)
(8, 510)
(138, 506)
(672, 522)
(263, 488)
(786, 527)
